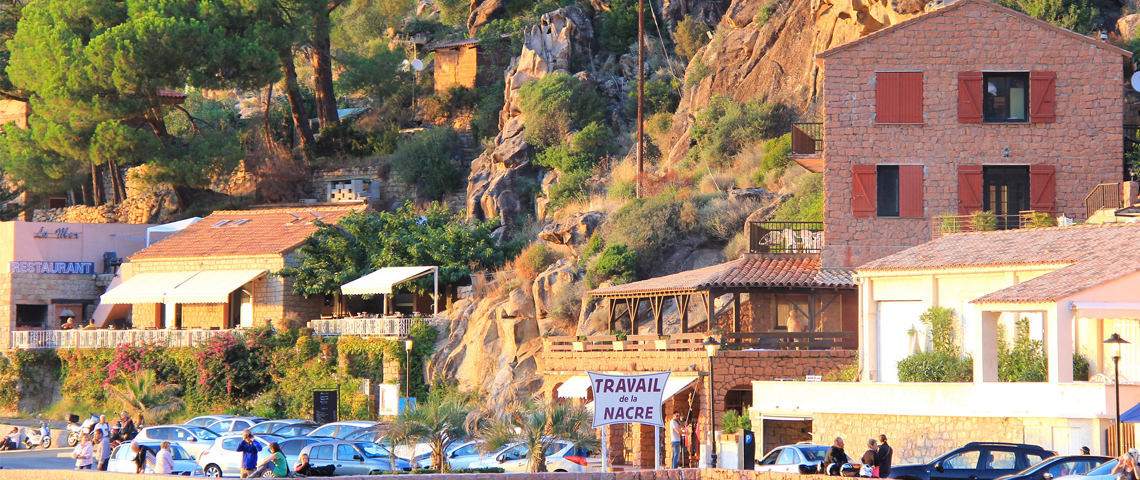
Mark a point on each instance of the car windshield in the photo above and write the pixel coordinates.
(373, 450)
(814, 453)
(1105, 469)
(202, 433)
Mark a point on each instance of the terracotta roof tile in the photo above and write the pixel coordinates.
(246, 232)
(1085, 256)
(750, 271)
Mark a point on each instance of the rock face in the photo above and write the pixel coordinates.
(482, 12)
(773, 60)
(705, 11)
(572, 231)
(501, 172)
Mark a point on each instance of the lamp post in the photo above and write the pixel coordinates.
(1116, 341)
(408, 381)
(711, 346)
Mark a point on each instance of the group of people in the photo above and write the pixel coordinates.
(875, 462)
(276, 465)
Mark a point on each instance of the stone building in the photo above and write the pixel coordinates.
(56, 270)
(218, 273)
(921, 121)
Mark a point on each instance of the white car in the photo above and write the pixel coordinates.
(234, 424)
(269, 426)
(193, 439)
(222, 458)
(123, 459)
(340, 429)
(204, 420)
(798, 458)
(561, 456)
(459, 455)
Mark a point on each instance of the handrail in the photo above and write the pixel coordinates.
(1103, 196)
(785, 237)
(807, 138)
(364, 327)
(54, 339)
(694, 342)
(942, 225)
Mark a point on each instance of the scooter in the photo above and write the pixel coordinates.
(74, 430)
(38, 438)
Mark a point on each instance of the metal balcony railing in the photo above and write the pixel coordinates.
(807, 138)
(785, 237)
(1104, 196)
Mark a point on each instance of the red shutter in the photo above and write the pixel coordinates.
(969, 189)
(910, 191)
(969, 97)
(886, 97)
(1042, 105)
(863, 190)
(1043, 188)
(910, 97)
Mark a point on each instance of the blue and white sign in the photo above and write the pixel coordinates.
(55, 268)
(628, 398)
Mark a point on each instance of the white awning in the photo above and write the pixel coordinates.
(382, 280)
(211, 286)
(145, 288)
(576, 386)
(170, 227)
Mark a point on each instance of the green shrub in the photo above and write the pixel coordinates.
(1040, 220)
(572, 186)
(1080, 367)
(983, 221)
(649, 226)
(1077, 15)
(661, 95)
(697, 72)
(846, 373)
(622, 190)
(725, 127)
(556, 105)
(807, 204)
(1025, 360)
(485, 123)
(733, 422)
(762, 15)
(618, 263)
(690, 36)
(721, 218)
(346, 139)
(534, 259)
(617, 28)
(776, 152)
(940, 320)
(935, 367)
(425, 160)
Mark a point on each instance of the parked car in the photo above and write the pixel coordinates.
(193, 439)
(269, 426)
(123, 459)
(561, 456)
(1103, 472)
(798, 458)
(204, 420)
(234, 424)
(292, 447)
(222, 457)
(353, 458)
(1057, 467)
(976, 461)
(339, 429)
(459, 455)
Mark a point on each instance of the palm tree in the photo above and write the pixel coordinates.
(439, 421)
(143, 394)
(537, 425)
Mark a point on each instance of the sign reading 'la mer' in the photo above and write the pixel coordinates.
(628, 398)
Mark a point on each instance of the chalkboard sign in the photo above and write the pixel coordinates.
(325, 404)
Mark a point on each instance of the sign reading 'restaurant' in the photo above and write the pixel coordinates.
(628, 398)
(57, 268)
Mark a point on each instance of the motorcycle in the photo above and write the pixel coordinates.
(74, 430)
(38, 438)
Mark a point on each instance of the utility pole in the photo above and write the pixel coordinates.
(640, 93)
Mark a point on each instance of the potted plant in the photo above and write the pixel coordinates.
(619, 341)
(579, 345)
(984, 221)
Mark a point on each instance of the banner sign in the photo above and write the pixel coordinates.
(58, 268)
(628, 398)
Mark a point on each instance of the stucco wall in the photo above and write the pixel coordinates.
(1084, 142)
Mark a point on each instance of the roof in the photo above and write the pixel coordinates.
(452, 44)
(1084, 256)
(265, 231)
(961, 3)
(750, 271)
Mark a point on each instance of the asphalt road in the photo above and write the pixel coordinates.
(50, 459)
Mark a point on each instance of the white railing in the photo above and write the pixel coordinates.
(52, 339)
(364, 327)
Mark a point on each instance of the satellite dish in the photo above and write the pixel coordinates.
(418, 65)
(1136, 81)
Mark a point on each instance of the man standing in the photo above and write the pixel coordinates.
(676, 432)
(884, 457)
(103, 426)
(248, 448)
(102, 450)
(835, 457)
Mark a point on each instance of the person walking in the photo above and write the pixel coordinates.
(869, 461)
(835, 457)
(164, 461)
(883, 459)
(275, 466)
(102, 450)
(83, 453)
(248, 448)
(676, 431)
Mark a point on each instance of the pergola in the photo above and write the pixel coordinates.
(383, 281)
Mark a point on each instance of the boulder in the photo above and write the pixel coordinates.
(572, 231)
(708, 12)
(1126, 26)
(558, 279)
(482, 12)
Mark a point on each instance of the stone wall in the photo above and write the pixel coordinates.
(1084, 143)
(43, 289)
(202, 315)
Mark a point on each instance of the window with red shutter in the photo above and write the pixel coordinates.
(1043, 188)
(910, 191)
(863, 190)
(969, 189)
(970, 97)
(1042, 105)
(898, 97)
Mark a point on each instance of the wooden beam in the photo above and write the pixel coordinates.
(610, 305)
(709, 307)
(682, 302)
(636, 306)
(657, 304)
(735, 312)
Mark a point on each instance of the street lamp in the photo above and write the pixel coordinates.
(711, 345)
(1116, 342)
(408, 375)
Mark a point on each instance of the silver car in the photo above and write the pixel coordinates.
(340, 429)
(234, 424)
(223, 458)
(269, 426)
(123, 459)
(193, 439)
(353, 458)
(204, 420)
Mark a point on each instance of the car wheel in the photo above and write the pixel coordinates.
(560, 471)
(212, 471)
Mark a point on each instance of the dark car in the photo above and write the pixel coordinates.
(1057, 467)
(976, 461)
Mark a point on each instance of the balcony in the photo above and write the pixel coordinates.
(943, 225)
(54, 339)
(693, 342)
(785, 237)
(362, 326)
(807, 145)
